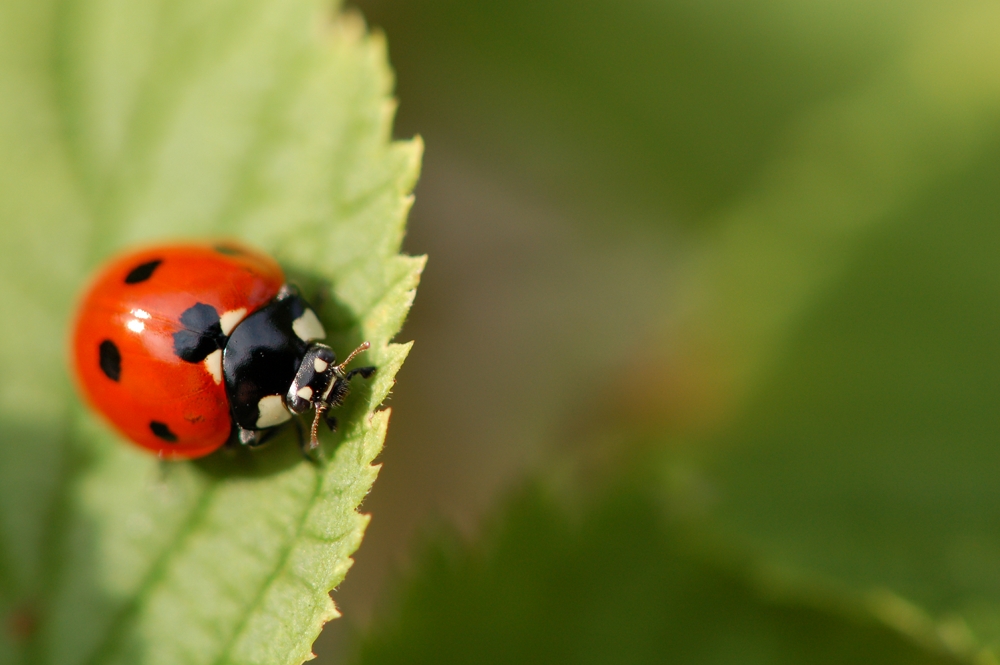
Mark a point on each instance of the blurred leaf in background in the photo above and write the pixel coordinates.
(623, 110)
(583, 155)
(126, 122)
(763, 237)
(616, 585)
(869, 454)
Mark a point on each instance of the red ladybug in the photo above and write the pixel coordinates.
(187, 347)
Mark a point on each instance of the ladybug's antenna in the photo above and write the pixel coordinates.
(339, 369)
(322, 406)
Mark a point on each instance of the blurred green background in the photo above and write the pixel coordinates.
(707, 348)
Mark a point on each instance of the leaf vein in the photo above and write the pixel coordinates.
(279, 569)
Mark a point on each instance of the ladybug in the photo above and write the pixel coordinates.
(187, 347)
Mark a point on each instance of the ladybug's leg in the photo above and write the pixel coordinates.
(310, 448)
(331, 421)
(247, 437)
(365, 372)
(255, 438)
(286, 291)
(263, 436)
(313, 444)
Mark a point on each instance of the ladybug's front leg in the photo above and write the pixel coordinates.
(243, 438)
(308, 451)
(365, 372)
(254, 438)
(310, 448)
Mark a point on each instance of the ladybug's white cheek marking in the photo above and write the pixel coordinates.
(305, 392)
(308, 327)
(329, 389)
(320, 365)
(229, 319)
(272, 411)
(213, 363)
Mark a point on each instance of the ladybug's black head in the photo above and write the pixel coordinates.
(320, 383)
(314, 380)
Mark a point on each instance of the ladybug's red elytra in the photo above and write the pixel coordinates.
(185, 348)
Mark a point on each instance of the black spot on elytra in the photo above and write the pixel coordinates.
(201, 333)
(228, 250)
(142, 272)
(162, 431)
(110, 360)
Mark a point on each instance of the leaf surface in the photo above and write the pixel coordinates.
(131, 122)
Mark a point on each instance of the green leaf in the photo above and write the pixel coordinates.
(868, 458)
(126, 122)
(618, 585)
(855, 301)
(850, 166)
(638, 112)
